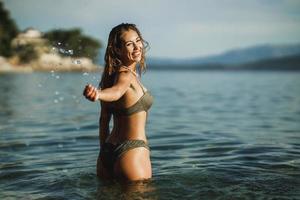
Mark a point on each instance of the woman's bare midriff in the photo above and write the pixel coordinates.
(128, 128)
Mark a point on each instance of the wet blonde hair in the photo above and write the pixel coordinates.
(111, 58)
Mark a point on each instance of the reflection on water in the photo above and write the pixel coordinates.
(129, 190)
(212, 135)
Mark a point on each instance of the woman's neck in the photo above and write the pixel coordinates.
(131, 66)
(133, 71)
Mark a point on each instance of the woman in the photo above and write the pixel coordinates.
(124, 153)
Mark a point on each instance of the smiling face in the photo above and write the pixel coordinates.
(126, 47)
(131, 48)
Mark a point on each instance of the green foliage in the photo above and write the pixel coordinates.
(73, 43)
(26, 53)
(69, 42)
(8, 30)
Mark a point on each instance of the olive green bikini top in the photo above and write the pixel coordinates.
(143, 104)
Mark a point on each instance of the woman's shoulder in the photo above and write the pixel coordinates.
(124, 72)
(123, 76)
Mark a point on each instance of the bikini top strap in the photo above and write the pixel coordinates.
(141, 85)
(136, 75)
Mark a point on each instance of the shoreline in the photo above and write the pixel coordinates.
(47, 65)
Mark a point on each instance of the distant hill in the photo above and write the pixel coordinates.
(257, 57)
(282, 63)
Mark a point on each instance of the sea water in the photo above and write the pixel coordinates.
(212, 134)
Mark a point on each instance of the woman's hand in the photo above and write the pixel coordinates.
(91, 93)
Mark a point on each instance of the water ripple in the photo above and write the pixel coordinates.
(221, 136)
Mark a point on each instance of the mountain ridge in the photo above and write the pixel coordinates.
(236, 56)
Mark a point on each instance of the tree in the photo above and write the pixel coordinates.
(8, 30)
(73, 43)
(26, 53)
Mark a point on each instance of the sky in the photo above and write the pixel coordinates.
(174, 29)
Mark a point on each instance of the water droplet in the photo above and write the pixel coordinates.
(61, 98)
(65, 170)
(85, 74)
(39, 85)
(56, 93)
(57, 77)
(70, 51)
(60, 145)
(59, 43)
(55, 101)
(62, 50)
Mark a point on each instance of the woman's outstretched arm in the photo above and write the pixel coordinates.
(110, 94)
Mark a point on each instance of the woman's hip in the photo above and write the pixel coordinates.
(131, 159)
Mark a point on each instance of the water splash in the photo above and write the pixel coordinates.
(96, 79)
(70, 51)
(59, 49)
